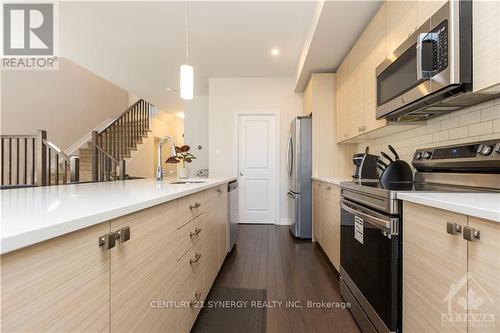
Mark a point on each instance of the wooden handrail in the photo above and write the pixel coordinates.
(28, 160)
(115, 119)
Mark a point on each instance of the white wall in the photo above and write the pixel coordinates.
(67, 103)
(196, 131)
(230, 95)
(143, 162)
(475, 123)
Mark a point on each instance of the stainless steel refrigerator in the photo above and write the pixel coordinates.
(299, 160)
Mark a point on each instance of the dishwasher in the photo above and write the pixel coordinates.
(233, 213)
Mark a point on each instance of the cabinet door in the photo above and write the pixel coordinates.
(401, 17)
(484, 277)
(316, 199)
(373, 40)
(426, 8)
(434, 264)
(331, 220)
(60, 285)
(486, 45)
(342, 100)
(143, 270)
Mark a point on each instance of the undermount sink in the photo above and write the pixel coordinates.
(189, 182)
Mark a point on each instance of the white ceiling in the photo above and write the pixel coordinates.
(335, 28)
(140, 45)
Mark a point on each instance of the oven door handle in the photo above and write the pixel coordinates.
(378, 222)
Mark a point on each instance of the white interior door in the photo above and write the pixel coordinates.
(257, 168)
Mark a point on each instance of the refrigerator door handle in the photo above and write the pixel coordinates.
(289, 157)
(291, 195)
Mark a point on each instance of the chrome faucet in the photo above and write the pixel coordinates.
(173, 153)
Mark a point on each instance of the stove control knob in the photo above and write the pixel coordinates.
(418, 155)
(427, 155)
(497, 148)
(485, 150)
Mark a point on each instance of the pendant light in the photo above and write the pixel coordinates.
(187, 72)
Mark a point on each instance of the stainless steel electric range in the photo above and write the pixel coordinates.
(371, 226)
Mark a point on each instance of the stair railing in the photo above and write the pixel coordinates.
(33, 160)
(112, 144)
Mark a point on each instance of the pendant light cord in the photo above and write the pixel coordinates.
(187, 32)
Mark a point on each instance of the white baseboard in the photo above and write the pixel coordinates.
(284, 222)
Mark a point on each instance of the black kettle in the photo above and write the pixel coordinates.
(397, 170)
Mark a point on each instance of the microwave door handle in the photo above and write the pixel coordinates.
(420, 51)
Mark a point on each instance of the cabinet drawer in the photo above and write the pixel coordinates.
(191, 206)
(190, 266)
(189, 234)
(191, 296)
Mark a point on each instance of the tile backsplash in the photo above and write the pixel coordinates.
(478, 122)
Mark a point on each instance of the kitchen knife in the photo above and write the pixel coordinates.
(393, 151)
(386, 156)
(382, 163)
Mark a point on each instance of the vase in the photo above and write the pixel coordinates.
(183, 172)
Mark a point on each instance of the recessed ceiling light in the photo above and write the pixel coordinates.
(170, 89)
(275, 52)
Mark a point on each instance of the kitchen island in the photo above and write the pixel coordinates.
(136, 255)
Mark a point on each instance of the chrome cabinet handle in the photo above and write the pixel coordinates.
(195, 259)
(196, 205)
(453, 228)
(108, 241)
(123, 234)
(194, 233)
(196, 299)
(471, 234)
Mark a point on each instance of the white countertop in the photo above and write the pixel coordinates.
(482, 205)
(330, 180)
(32, 215)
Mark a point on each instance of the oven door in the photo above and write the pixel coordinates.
(370, 263)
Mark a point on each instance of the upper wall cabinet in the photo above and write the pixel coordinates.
(401, 22)
(426, 8)
(486, 46)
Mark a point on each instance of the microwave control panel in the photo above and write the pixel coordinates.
(441, 47)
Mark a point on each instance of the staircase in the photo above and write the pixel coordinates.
(104, 157)
(31, 160)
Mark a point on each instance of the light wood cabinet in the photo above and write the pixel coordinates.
(72, 284)
(447, 279)
(401, 22)
(60, 285)
(326, 219)
(426, 8)
(329, 159)
(433, 260)
(356, 87)
(316, 210)
(143, 269)
(486, 46)
(484, 276)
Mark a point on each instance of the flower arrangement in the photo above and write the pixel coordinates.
(183, 156)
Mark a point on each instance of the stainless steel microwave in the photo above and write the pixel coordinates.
(431, 72)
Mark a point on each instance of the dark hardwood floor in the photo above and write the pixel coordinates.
(268, 263)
